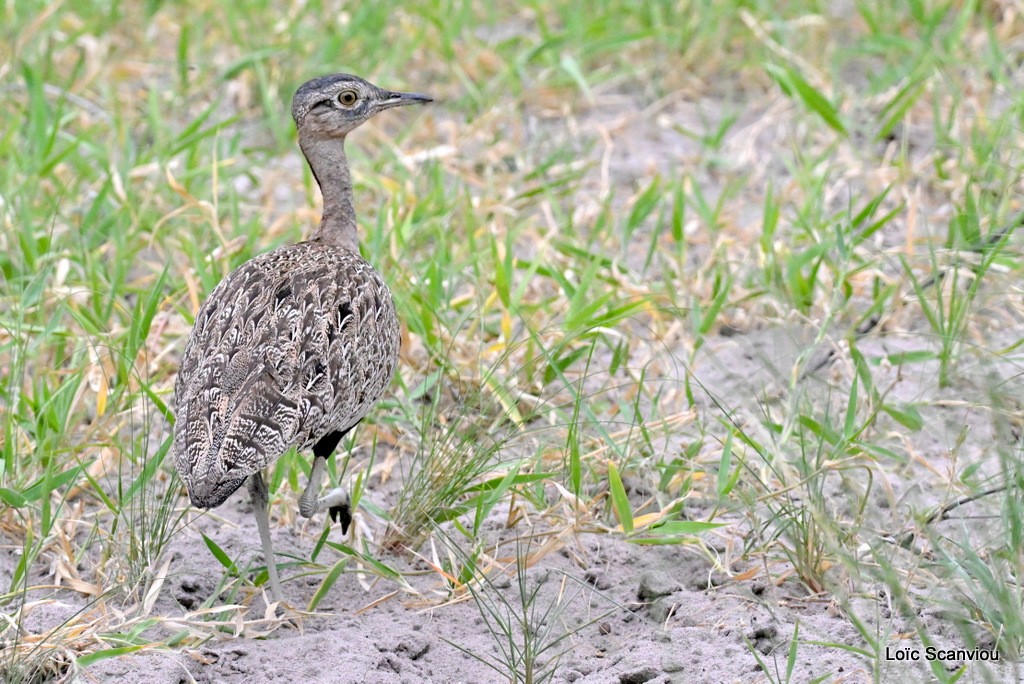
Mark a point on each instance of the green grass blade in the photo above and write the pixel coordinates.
(620, 502)
(793, 84)
(325, 586)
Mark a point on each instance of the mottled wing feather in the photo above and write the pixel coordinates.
(292, 345)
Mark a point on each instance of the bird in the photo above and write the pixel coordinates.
(295, 346)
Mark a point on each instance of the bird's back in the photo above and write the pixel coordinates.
(292, 345)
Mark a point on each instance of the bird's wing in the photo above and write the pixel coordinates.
(252, 378)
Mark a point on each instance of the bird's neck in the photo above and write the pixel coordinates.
(327, 160)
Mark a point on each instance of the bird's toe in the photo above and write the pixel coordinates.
(342, 514)
(338, 505)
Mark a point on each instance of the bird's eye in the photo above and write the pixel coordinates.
(347, 98)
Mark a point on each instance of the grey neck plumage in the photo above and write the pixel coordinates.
(326, 158)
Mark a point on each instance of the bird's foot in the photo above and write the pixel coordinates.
(338, 505)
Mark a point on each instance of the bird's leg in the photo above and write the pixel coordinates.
(335, 501)
(260, 496)
(308, 503)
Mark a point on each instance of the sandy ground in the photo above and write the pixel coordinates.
(628, 614)
(632, 614)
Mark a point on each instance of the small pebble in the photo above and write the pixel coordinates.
(638, 676)
(655, 584)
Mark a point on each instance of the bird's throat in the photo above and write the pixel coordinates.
(327, 160)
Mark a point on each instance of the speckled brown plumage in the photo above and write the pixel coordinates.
(295, 346)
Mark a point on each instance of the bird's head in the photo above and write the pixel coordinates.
(331, 106)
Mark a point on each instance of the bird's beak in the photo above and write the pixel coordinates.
(392, 99)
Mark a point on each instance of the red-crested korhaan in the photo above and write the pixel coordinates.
(294, 347)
